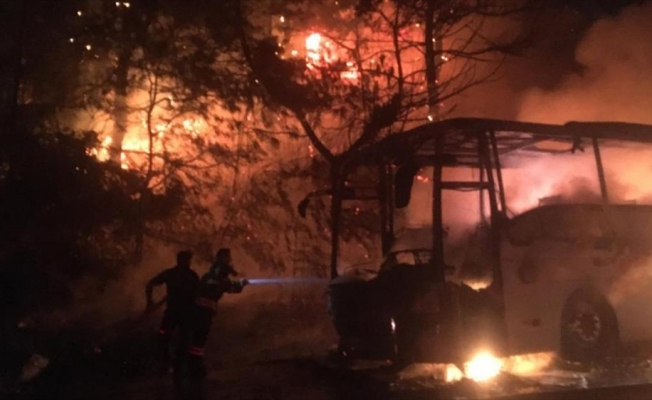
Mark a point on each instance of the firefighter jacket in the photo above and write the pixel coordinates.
(212, 287)
(181, 286)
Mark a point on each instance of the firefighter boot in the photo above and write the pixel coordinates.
(196, 367)
(163, 341)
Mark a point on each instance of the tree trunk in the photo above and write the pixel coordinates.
(120, 107)
(139, 247)
(433, 48)
(337, 185)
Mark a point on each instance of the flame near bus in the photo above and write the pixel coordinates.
(483, 367)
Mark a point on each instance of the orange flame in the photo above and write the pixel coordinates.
(136, 144)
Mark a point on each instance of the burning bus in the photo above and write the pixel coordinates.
(482, 274)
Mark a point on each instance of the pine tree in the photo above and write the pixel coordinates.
(370, 68)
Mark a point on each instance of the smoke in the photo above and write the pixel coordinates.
(531, 180)
(98, 305)
(125, 296)
(613, 84)
(255, 322)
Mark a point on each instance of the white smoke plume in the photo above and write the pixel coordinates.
(614, 83)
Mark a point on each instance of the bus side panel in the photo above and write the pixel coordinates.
(629, 273)
(534, 299)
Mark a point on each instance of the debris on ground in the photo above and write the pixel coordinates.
(33, 368)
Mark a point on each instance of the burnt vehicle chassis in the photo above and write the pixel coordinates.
(416, 313)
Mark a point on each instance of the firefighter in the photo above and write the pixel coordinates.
(212, 286)
(181, 285)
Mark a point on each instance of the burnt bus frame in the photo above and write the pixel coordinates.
(434, 143)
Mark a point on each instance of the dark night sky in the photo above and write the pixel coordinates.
(598, 7)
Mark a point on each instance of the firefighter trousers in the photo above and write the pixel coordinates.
(173, 320)
(202, 321)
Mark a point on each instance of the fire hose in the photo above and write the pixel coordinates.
(281, 281)
(128, 324)
(131, 323)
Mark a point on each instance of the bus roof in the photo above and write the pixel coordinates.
(461, 135)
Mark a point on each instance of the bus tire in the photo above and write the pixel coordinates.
(589, 327)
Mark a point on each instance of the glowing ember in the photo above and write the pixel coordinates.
(124, 164)
(477, 284)
(483, 367)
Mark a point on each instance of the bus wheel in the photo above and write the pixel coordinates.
(589, 327)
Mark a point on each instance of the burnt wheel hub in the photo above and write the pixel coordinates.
(586, 324)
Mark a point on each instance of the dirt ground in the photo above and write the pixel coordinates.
(249, 338)
(278, 350)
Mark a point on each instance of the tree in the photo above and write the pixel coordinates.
(187, 112)
(371, 68)
(65, 215)
(211, 100)
(142, 77)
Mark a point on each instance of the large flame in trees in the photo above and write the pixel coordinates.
(143, 140)
(313, 45)
(322, 53)
(164, 138)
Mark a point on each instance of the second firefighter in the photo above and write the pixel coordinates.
(212, 287)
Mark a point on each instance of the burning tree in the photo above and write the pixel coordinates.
(64, 214)
(351, 72)
(166, 90)
(162, 95)
(212, 101)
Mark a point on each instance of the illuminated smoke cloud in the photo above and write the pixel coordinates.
(614, 84)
